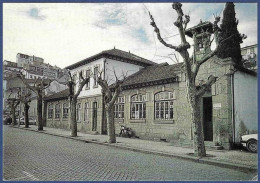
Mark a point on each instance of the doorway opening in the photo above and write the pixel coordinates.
(207, 119)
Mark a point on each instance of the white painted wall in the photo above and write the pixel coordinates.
(93, 90)
(55, 87)
(120, 68)
(245, 102)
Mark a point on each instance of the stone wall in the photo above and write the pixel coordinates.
(179, 129)
(84, 125)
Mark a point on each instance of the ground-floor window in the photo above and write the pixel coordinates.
(164, 110)
(86, 111)
(50, 111)
(65, 110)
(119, 111)
(57, 111)
(138, 106)
(78, 112)
(164, 105)
(119, 108)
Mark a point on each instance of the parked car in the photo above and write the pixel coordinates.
(31, 121)
(250, 142)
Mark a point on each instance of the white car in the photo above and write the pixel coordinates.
(250, 142)
(31, 121)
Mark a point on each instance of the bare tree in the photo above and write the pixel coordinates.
(111, 94)
(73, 96)
(192, 66)
(13, 102)
(24, 98)
(38, 87)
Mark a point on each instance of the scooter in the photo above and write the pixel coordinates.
(126, 132)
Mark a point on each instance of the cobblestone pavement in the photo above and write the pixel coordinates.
(34, 156)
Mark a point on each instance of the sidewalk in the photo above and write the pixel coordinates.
(235, 159)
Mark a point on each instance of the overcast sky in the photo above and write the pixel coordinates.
(65, 33)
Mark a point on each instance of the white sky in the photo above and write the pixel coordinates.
(65, 33)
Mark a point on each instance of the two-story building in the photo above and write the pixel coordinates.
(90, 108)
(154, 97)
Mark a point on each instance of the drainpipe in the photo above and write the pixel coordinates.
(233, 108)
(103, 118)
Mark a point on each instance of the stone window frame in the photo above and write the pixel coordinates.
(159, 99)
(57, 111)
(119, 111)
(87, 86)
(50, 108)
(65, 108)
(139, 101)
(95, 76)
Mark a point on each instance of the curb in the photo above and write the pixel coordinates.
(243, 168)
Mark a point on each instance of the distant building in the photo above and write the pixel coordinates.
(37, 66)
(249, 56)
(23, 60)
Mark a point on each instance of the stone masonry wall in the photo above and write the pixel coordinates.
(179, 129)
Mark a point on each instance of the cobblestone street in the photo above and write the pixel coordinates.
(34, 156)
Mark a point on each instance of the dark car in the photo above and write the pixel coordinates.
(7, 120)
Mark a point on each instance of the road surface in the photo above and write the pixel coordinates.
(29, 155)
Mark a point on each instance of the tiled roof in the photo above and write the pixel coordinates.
(115, 54)
(153, 73)
(58, 96)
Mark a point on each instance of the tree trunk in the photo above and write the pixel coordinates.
(73, 121)
(110, 124)
(39, 111)
(198, 138)
(26, 115)
(44, 113)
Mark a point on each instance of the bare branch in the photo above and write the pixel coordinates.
(205, 87)
(26, 83)
(81, 85)
(186, 21)
(115, 96)
(177, 60)
(157, 31)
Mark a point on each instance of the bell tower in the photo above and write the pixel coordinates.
(201, 34)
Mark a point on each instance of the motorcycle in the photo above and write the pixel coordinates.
(126, 132)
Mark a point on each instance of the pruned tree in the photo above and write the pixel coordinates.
(111, 94)
(74, 92)
(38, 88)
(25, 99)
(13, 102)
(191, 67)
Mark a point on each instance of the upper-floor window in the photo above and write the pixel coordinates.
(95, 76)
(119, 108)
(50, 111)
(164, 105)
(65, 110)
(57, 111)
(138, 106)
(87, 75)
(252, 50)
